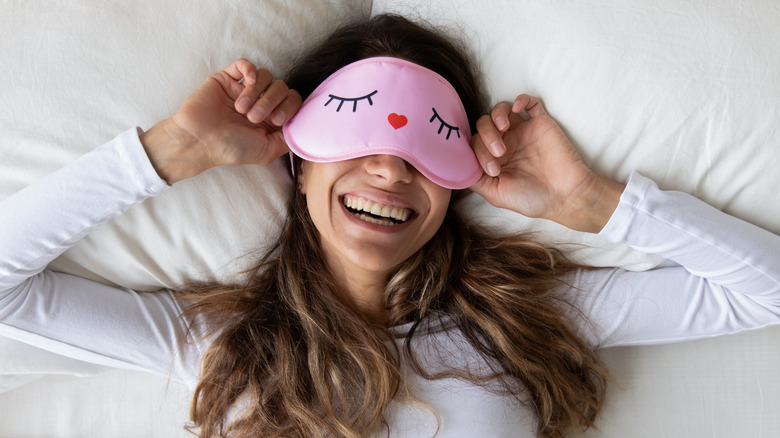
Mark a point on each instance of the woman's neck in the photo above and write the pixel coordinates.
(364, 290)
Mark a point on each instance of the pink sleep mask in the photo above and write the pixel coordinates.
(389, 106)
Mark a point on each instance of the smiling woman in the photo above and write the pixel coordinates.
(380, 311)
(363, 249)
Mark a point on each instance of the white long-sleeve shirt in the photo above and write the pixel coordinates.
(728, 281)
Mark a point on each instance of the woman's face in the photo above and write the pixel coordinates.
(372, 212)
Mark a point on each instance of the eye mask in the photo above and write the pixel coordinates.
(389, 106)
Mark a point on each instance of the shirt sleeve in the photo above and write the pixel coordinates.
(725, 278)
(70, 315)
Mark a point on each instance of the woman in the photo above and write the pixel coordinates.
(355, 323)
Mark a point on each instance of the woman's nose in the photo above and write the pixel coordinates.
(390, 168)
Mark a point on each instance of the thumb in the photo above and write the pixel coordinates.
(532, 105)
(483, 186)
(276, 147)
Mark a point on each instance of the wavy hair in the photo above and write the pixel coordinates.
(291, 358)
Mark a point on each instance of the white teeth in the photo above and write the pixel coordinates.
(361, 204)
(374, 220)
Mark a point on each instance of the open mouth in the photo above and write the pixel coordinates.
(375, 212)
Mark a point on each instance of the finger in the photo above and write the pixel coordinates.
(280, 145)
(267, 149)
(485, 132)
(500, 115)
(241, 69)
(491, 136)
(482, 186)
(272, 147)
(271, 98)
(253, 90)
(531, 105)
(236, 77)
(289, 106)
(477, 186)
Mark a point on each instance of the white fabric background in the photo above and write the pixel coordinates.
(684, 91)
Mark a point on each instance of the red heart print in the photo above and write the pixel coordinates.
(398, 121)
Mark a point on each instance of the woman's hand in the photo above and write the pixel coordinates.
(234, 117)
(532, 168)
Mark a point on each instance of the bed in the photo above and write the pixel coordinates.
(684, 91)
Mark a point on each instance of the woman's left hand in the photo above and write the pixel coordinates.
(532, 168)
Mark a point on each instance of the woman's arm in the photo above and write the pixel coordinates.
(728, 278)
(71, 315)
(727, 281)
(115, 326)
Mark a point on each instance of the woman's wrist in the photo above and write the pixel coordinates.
(590, 207)
(174, 152)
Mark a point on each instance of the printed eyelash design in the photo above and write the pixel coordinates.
(354, 100)
(443, 124)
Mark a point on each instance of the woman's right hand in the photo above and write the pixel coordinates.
(234, 117)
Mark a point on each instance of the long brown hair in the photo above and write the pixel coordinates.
(290, 358)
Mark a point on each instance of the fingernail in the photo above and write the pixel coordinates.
(278, 118)
(256, 115)
(244, 103)
(502, 123)
(496, 148)
(493, 169)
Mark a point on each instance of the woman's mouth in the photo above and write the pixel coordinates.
(374, 212)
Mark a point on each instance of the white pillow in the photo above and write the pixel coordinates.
(684, 96)
(660, 89)
(684, 92)
(77, 74)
